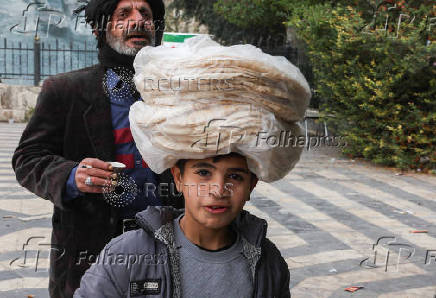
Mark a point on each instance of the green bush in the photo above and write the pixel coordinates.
(218, 16)
(28, 114)
(379, 85)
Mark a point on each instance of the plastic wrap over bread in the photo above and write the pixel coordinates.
(203, 99)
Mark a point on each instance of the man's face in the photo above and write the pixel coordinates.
(131, 27)
(214, 192)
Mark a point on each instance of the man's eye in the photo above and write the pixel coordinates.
(203, 173)
(145, 13)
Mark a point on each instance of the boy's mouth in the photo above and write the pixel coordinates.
(216, 209)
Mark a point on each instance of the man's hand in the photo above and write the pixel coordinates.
(92, 174)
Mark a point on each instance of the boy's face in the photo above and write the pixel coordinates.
(215, 192)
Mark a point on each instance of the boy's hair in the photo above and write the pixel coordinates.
(182, 162)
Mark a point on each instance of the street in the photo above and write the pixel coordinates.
(339, 223)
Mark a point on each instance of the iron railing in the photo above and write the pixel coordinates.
(24, 63)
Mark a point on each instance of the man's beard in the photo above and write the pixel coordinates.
(118, 43)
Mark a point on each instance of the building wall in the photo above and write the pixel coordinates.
(175, 22)
(17, 101)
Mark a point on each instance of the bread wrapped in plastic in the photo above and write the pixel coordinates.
(203, 99)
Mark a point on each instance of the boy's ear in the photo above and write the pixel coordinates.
(177, 175)
(253, 184)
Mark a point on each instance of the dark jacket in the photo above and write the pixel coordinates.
(71, 121)
(149, 255)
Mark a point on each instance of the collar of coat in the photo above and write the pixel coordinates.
(158, 221)
(154, 218)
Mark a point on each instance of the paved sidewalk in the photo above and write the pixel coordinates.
(338, 224)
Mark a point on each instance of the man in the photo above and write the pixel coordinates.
(79, 124)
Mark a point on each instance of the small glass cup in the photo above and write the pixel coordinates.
(122, 190)
(117, 167)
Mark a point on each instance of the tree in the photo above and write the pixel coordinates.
(377, 75)
(267, 33)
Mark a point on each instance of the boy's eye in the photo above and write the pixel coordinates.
(236, 177)
(202, 173)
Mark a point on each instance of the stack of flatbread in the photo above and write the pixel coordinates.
(203, 99)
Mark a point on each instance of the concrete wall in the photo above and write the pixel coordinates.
(16, 100)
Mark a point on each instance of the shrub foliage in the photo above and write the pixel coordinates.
(373, 62)
(377, 76)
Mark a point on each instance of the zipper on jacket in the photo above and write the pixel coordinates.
(256, 277)
(257, 264)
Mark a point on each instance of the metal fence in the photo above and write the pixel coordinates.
(31, 62)
(295, 55)
(25, 63)
(299, 59)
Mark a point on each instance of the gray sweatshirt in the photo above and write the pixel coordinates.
(216, 274)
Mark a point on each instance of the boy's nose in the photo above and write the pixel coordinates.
(220, 189)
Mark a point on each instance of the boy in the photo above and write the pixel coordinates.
(212, 248)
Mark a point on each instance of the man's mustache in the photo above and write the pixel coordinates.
(137, 31)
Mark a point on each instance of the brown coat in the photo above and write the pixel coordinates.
(72, 121)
